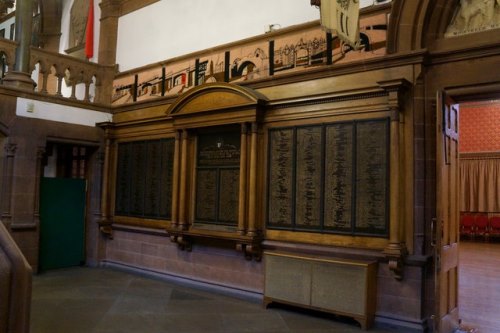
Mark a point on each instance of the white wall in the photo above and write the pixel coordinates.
(6, 25)
(168, 28)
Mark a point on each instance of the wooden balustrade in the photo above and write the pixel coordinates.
(55, 69)
(15, 286)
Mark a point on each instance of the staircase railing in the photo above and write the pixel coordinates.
(15, 286)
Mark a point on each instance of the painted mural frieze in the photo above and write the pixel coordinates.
(473, 16)
(259, 58)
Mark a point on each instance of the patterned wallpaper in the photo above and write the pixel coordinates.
(480, 127)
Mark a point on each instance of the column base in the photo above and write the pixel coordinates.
(19, 80)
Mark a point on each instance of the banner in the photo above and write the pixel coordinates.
(89, 32)
(342, 18)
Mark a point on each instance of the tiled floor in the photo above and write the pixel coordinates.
(91, 300)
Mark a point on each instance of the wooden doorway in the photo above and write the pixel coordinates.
(446, 222)
(479, 255)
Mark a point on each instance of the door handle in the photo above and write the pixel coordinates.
(433, 232)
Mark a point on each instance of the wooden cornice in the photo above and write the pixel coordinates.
(388, 61)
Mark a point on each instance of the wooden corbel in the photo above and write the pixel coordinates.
(105, 227)
(183, 243)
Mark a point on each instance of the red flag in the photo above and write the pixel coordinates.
(89, 32)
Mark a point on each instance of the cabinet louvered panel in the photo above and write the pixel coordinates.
(339, 286)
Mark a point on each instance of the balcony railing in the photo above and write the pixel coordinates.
(61, 75)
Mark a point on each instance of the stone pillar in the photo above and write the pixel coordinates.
(20, 77)
(110, 13)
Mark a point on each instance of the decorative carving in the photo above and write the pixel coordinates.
(106, 227)
(10, 149)
(474, 16)
(250, 246)
(4, 6)
(78, 23)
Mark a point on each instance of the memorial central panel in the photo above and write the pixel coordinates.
(217, 178)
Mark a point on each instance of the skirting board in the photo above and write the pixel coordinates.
(380, 320)
(197, 284)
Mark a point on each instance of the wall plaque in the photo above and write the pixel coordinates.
(144, 178)
(152, 188)
(281, 159)
(372, 179)
(338, 176)
(166, 175)
(218, 177)
(330, 177)
(219, 149)
(206, 195)
(228, 203)
(309, 176)
(123, 174)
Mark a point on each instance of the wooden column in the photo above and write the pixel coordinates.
(104, 221)
(242, 212)
(175, 180)
(183, 223)
(252, 186)
(396, 249)
(108, 34)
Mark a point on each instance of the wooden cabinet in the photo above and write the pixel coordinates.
(340, 286)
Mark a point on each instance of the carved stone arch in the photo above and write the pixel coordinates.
(418, 24)
(218, 102)
(405, 26)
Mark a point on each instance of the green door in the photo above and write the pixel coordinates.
(62, 216)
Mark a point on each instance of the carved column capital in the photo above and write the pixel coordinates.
(10, 149)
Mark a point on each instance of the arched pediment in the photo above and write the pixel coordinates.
(212, 97)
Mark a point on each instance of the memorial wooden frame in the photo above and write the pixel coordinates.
(203, 109)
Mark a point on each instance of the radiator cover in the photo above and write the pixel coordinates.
(341, 286)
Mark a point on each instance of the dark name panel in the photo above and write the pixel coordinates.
(371, 177)
(330, 177)
(281, 162)
(218, 177)
(123, 174)
(206, 195)
(144, 179)
(338, 176)
(229, 184)
(308, 178)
